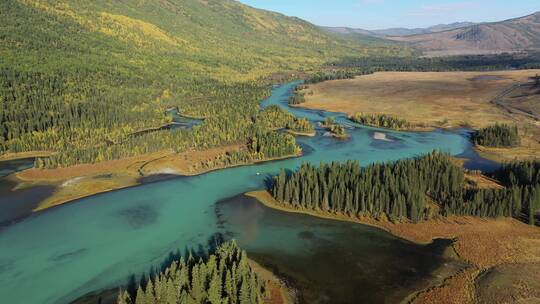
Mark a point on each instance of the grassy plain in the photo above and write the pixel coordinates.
(441, 100)
(501, 247)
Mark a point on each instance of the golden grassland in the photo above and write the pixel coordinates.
(439, 100)
(486, 244)
(80, 181)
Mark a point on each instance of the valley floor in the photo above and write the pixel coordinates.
(504, 255)
(442, 100)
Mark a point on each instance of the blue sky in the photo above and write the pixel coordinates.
(376, 14)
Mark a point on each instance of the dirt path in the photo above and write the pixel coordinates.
(499, 102)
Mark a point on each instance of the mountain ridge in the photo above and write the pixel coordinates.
(398, 31)
(506, 36)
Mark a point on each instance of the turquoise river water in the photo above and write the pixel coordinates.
(98, 242)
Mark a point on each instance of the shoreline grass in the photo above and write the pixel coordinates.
(483, 243)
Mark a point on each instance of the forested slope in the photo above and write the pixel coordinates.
(76, 76)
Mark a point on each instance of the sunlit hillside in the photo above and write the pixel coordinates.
(77, 74)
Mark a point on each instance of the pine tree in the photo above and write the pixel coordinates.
(214, 292)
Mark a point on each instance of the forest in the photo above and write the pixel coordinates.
(380, 121)
(223, 277)
(263, 146)
(499, 135)
(413, 189)
(330, 75)
(365, 65)
(80, 78)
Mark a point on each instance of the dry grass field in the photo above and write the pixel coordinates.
(439, 100)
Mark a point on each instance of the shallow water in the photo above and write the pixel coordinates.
(100, 241)
(332, 261)
(17, 204)
(8, 167)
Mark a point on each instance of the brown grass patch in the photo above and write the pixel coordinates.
(437, 100)
(278, 293)
(477, 180)
(182, 162)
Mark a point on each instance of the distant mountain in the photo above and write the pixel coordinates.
(398, 31)
(511, 35)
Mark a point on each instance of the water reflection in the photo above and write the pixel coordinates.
(332, 261)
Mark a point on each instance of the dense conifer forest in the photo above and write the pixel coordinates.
(499, 135)
(413, 189)
(381, 121)
(78, 78)
(360, 66)
(333, 75)
(223, 277)
(526, 176)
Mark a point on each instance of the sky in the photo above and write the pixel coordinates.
(379, 14)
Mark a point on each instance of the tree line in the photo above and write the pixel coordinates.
(523, 175)
(223, 277)
(414, 189)
(261, 147)
(381, 121)
(371, 64)
(330, 75)
(298, 96)
(499, 135)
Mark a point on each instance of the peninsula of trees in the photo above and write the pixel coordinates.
(414, 189)
(499, 135)
(223, 277)
(380, 121)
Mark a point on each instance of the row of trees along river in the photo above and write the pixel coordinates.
(414, 189)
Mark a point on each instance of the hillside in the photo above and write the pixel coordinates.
(82, 75)
(488, 38)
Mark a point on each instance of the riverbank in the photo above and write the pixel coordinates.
(76, 182)
(298, 133)
(278, 292)
(21, 155)
(529, 149)
(485, 244)
(439, 100)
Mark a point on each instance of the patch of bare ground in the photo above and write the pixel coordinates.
(483, 243)
(277, 290)
(509, 283)
(478, 180)
(440, 100)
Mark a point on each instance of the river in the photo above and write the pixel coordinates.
(99, 242)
